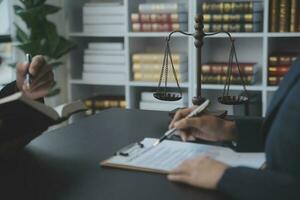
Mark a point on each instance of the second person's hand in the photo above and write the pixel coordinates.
(206, 127)
(43, 78)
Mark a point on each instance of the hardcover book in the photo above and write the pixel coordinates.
(158, 27)
(159, 18)
(232, 18)
(56, 115)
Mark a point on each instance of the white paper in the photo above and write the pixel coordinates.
(169, 154)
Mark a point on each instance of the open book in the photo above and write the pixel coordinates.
(58, 114)
(169, 154)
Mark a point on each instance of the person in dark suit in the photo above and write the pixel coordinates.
(278, 134)
(17, 131)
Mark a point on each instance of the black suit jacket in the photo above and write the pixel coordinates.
(19, 128)
(279, 134)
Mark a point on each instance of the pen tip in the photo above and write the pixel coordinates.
(156, 143)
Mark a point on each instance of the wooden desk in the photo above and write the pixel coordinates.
(64, 164)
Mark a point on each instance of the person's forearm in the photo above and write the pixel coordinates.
(247, 184)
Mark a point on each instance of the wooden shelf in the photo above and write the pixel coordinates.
(87, 82)
(83, 34)
(153, 84)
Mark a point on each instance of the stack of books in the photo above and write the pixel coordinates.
(104, 62)
(216, 73)
(147, 67)
(284, 16)
(103, 18)
(160, 17)
(102, 102)
(148, 102)
(232, 16)
(279, 65)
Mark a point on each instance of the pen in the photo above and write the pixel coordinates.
(194, 113)
(28, 77)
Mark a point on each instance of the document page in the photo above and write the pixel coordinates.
(169, 154)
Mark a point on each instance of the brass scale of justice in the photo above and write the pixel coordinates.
(162, 92)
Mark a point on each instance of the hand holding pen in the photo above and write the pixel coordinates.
(193, 113)
(34, 77)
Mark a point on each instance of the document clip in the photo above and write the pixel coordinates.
(126, 151)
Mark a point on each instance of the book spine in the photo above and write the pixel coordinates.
(281, 60)
(232, 18)
(103, 104)
(278, 70)
(157, 58)
(158, 18)
(231, 7)
(104, 59)
(104, 46)
(274, 80)
(217, 69)
(104, 77)
(156, 68)
(219, 79)
(294, 15)
(105, 10)
(155, 77)
(284, 16)
(157, 27)
(274, 15)
(232, 27)
(105, 68)
(103, 19)
(161, 8)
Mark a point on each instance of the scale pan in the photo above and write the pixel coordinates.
(233, 100)
(167, 96)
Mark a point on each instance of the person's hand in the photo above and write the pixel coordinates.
(206, 127)
(42, 74)
(202, 172)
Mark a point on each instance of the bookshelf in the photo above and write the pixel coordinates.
(251, 47)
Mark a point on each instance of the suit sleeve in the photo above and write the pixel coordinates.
(248, 184)
(250, 138)
(16, 131)
(9, 89)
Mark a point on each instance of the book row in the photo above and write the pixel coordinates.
(159, 17)
(101, 102)
(284, 16)
(279, 65)
(147, 67)
(232, 16)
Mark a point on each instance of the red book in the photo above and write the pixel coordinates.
(274, 80)
(221, 69)
(278, 70)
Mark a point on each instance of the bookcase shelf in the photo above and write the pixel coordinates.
(83, 34)
(297, 34)
(251, 47)
(88, 82)
(232, 87)
(152, 84)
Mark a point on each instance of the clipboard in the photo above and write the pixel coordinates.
(143, 156)
(128, 152)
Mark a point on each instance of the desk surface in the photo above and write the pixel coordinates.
(64, 164)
